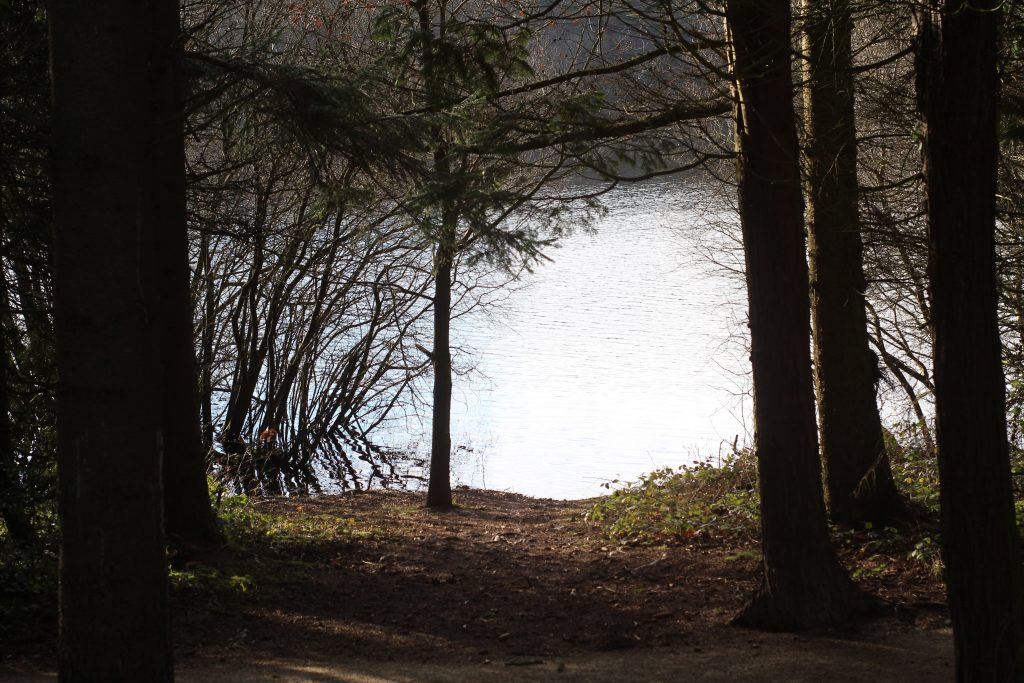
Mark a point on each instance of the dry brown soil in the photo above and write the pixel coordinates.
(510, 588)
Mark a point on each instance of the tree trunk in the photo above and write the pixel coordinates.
(439, 490)
(12, 505)
(109, 61)
(858, 479)
(206, 343)
(11, 501)
(959, 93)
(803, 584)
(188, 517)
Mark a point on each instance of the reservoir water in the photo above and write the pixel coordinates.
(624, 354)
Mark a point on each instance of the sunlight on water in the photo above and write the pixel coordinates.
(623, 355)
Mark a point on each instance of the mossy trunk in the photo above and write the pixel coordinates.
(858, 478)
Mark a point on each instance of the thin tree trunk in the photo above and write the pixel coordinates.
(959, 93)
(109, 62)
(188, 516)
(206, 344)
(858, 478)
(803, 584)
(439, 489)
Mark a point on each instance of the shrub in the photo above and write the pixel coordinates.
(676, 505)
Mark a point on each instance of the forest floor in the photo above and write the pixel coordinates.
(373, 587)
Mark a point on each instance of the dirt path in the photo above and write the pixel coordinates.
(922, 656)
(509, 588)
(908, 657)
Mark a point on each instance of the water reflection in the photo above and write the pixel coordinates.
(348, 462)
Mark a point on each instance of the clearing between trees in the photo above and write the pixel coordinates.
(374, 587)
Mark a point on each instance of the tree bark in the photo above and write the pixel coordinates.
(803, 584)
(108, 64)
(12, 503)
(958, 88)
(858, 478)
(206, 345)
(188, 516)
(12, 508)
(439, 489)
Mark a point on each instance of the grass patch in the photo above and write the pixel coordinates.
(244, 524)
(200, 577)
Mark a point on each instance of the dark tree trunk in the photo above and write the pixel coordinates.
(858, 478)
(12, 507)
(959, 92)
(188, 517)
(109, 61)
(439, 490)
(803, 584)
(206, 359)
(11, 501)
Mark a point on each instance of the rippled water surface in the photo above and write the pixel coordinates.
(622, 355)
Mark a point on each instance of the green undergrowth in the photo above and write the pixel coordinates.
(914, 468)
(691, 503)
(244, 524)
(28, 589)
(706, 503)
(275, 540)
(916, 472)
(197, 576)
(29, 575)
